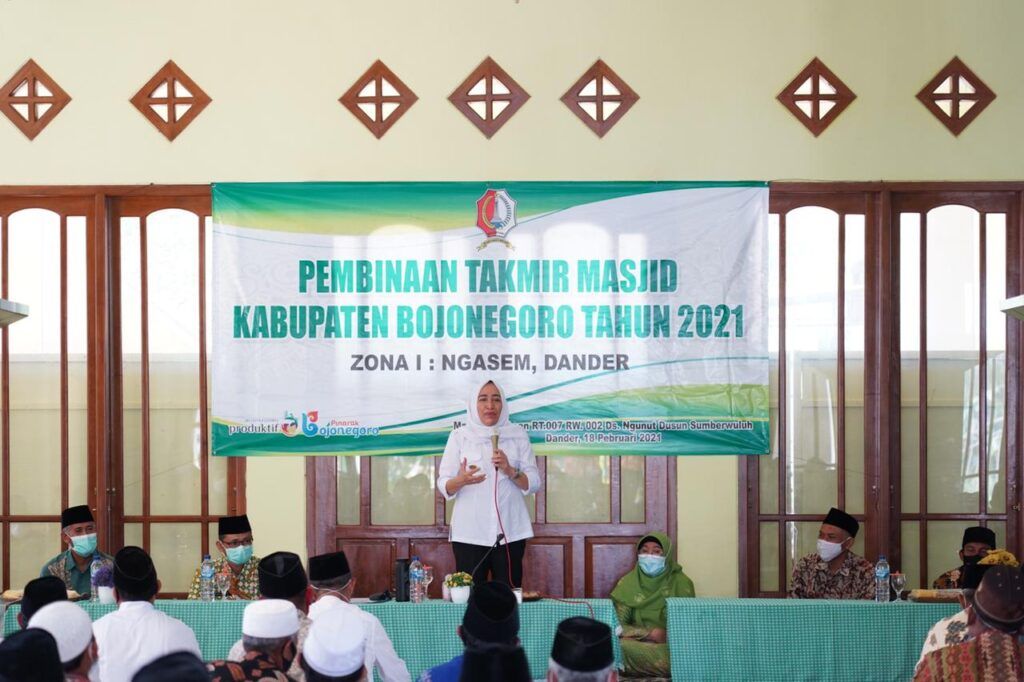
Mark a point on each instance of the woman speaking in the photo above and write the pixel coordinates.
(487, 468)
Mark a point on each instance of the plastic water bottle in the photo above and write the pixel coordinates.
(206, 579)
(416, 586)
(94, 568)
(882, 579)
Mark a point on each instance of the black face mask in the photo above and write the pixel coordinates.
(971, 560)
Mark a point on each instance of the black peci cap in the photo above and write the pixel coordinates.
(329, 567)
(583, 645)
(281, 576)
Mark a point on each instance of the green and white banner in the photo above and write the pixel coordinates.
(619, 318)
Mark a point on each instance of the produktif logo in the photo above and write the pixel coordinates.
(290, 425)
(496, 216)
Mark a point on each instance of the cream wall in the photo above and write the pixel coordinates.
(707, 74)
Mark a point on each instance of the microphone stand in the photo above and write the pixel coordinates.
(501, 536)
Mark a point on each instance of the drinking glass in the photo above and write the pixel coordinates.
(428, 577)
(898, 581)
(222, 583)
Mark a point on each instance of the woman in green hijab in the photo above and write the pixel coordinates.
(640, 603)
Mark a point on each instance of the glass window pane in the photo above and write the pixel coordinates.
(769, 575)
(35, 385)
(32, 544)
(812, 290)
(910, 546)
(953, 299)
(995, 365)
(853, 340)
(131, 365)
(999, 527)
(172, 257)
(910, 346)
(348, 490)
(579, 489)
(78, 387)
(401, 491)
(217, 468)
(632, 485)
(768, 465)
(176, 551)
(133, 534)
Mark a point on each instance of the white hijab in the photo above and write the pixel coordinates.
(503, 426)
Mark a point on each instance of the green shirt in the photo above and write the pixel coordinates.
(64, 567)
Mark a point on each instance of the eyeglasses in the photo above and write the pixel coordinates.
(237, 543)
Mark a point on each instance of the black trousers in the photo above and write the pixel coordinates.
(496, 565)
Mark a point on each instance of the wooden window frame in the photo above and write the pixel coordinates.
(489, 71)
(102, 205)
(882, 457)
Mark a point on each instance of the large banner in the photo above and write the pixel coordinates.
(619, 318)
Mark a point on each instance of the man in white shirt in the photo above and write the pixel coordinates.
(333, 585)
(137, 633)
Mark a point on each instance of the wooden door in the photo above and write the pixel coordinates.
(587, 517)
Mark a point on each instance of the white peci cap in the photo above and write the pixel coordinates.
(336, 642)
(69, 624)
(270, 618)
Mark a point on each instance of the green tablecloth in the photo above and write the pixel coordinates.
(423, 634)
(797, 639)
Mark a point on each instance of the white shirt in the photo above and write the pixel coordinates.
(474, 520)
(379, 651)
(136, 635)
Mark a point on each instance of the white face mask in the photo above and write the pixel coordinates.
(829, 550)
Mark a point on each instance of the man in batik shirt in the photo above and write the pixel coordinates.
(977, 542)
(834, 572)
(269, 628)
(234, 540)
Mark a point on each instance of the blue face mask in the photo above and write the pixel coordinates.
(651, 564)
(239, 555)
(84, 545)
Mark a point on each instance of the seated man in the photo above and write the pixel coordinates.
(834, 572)
(78, 530)
(281, 576)
(995, 620)
(30, 656)
(37, 594)
(335, 648)
(71, 627)
(234, 540)
(582, 652)
(491, 621)
(333, 584)
(137, 633)
(977, 542)
(269, 628)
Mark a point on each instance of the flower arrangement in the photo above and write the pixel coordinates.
(104, 576)
(1000, 557)
(460, 579)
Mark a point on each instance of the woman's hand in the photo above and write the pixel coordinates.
(468, 475)
(657, 635)
(500, 461)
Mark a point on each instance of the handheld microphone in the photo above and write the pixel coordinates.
(494, 444)
(501, 536)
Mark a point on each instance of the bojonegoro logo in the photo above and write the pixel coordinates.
(312, 427)
(496, 216)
